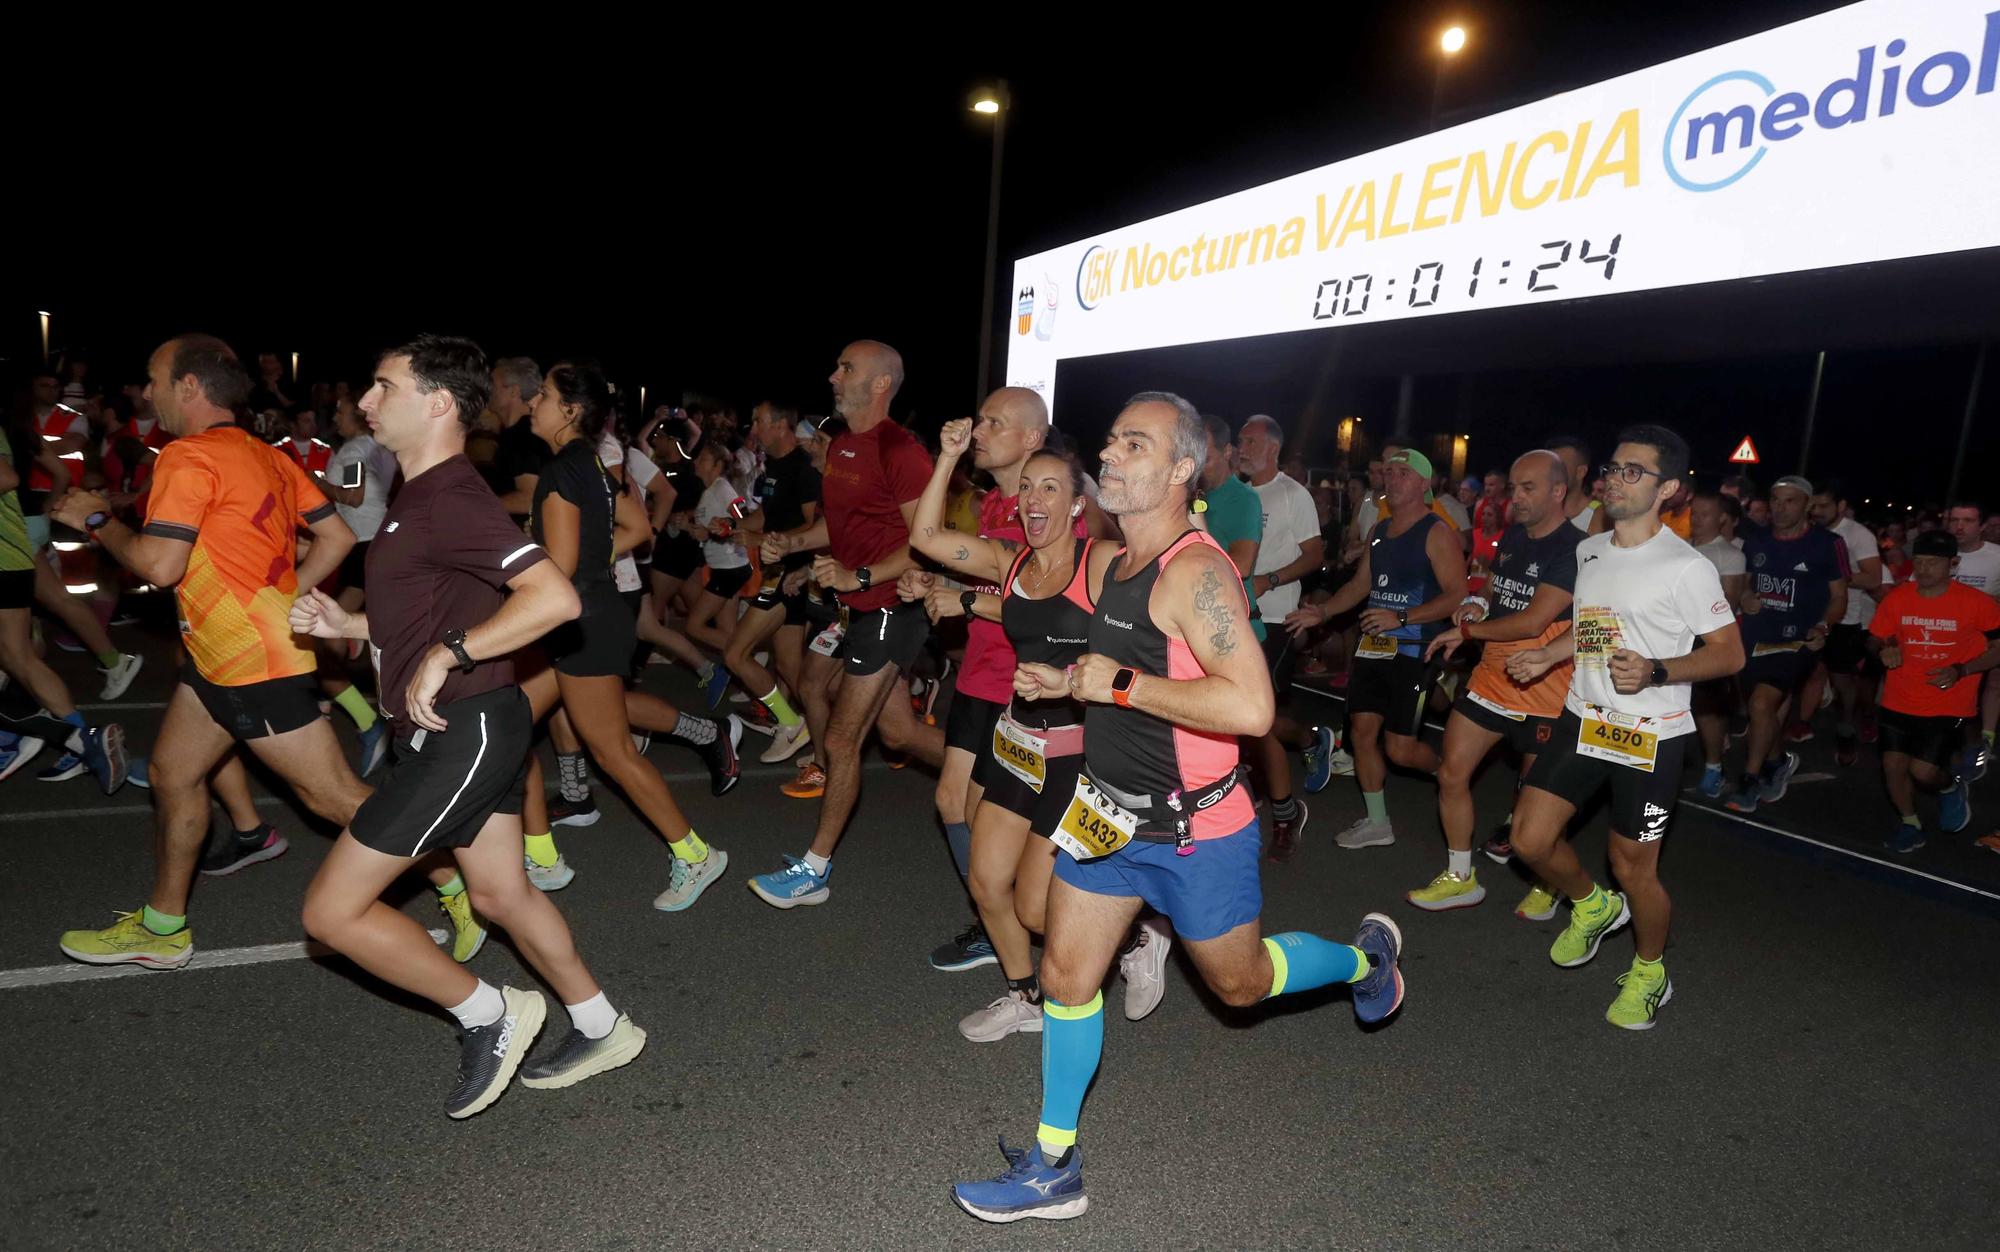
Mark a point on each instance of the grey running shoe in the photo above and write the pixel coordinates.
(1006, 1016)
(1144, 966)
(549, 877)
(489, 1055)
(578, 1057)
(689, 881)
(1366, 833)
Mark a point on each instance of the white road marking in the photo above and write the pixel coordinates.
(1834, 847)
(222, 958)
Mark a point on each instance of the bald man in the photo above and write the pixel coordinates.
(875, 473)
(1525, 604)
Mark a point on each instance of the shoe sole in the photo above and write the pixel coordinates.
(1051, 1212)
(580, 819)
(141, 960)
(1666, 994)
(801, 793)
(1464, 901)
(25, 756)
(1395, 968)
(1381, 842)
(778, 753)
(961, 967)
(1624, 916)
(111, 740)
(811, 897)
(477, 945)
(271, 853)
(1963, 823)
(533, 1013)
(545, 887)
(721, 860)
(1495, 857)
(65, 776)
(734, 776)
(112, 693)
(1537, 917)
(615, 1058)
(1030, 1027)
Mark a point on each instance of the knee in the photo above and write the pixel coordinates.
(174, 778)
(1630, 864)
(993, 892)
(1239, 990)
(499, 905)
(1530, 844)
(1453, 775)
(949, 798)
(1032, 911)
(1404, 751)
(322, 918)
(1060, 982)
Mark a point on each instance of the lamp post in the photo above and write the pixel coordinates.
(45, 338)
(1450, 43)
(993, 104)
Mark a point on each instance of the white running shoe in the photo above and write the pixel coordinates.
(119, 677)
(785, 743)
(1343, 762)
(1366, 833)
(549, 877)
(1144, 966)
(1009, 1015)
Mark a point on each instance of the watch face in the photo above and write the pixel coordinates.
(1122, 680)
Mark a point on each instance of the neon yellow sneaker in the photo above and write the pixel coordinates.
(1538, 906)
(128, 942)
(468, 936)
(1449, 891)
(1578, 941)
(1641, 991)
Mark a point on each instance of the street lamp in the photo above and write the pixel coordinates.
(991, 104)
(1452, 40)
(1450, 43)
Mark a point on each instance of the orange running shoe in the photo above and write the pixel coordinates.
(809, 785)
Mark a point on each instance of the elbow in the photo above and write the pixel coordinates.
(1735, 657)
(564, 604)
(1260, 710)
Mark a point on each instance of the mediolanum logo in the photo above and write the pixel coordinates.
(1726, 126)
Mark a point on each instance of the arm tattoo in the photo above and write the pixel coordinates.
(1208, 602)
(963, 553)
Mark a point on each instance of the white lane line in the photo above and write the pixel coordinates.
(222, 958)
(113, 810)
(137, 704)
(1834, 847)
(1342, 697)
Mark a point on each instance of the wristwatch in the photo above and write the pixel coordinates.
(455, 640)
(863, 577)
(1402, 617)
(1659, 673)
(1121, 686)
(966, 598)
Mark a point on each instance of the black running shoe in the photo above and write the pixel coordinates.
(489, 1055)
(969, 949)
(579, 1057)
(565, 812)
(236, 851)
(724, 771)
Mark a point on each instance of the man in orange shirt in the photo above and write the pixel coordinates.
(1931, 635)
(220, 528)
(1525, 605)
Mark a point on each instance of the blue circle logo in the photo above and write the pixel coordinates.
(1721, 128)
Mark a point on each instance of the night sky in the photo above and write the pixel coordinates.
(707, 215)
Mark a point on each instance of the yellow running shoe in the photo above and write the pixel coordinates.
(468, 936)
(1449, 891)
(1641, 991)
(1578, 941)
(128, 942)
(1538, 906)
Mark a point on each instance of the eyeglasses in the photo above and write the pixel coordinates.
(1627, 473)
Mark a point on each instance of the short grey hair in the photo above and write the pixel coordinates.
(519, 372)
(1266, 421)
(1190, 435)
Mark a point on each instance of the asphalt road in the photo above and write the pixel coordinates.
(1816, 1081)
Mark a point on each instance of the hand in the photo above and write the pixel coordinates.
(1303, 619)
(942, 602)
(720, 528)
(793, 583)
(830, 573)
(776, 547)
(1944, 677)
(1891, 656)
(76, 507)
(1630, 672)
(1751, 604)
(1379, 621)
(1529, 664)
(1467, 613)
(1091, 679)
(955, 438)
(1816, 637)
(1449, 641)
(915, 584)
(317, 614)
(1034, 681)
(431, 673)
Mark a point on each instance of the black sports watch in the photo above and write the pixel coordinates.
(1659, 673)
(863, 577)
(967, 598)
(1402, 617)
(455, 640)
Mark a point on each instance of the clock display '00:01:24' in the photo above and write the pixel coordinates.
(1350, 297)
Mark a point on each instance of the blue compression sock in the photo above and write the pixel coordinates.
(1300, 962)
(1072, 1043)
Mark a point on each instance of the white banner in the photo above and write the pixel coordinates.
(1867, 134)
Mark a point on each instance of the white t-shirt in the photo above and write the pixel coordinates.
(1860, 546)
(1289, 520)
(625, 570)
(714, 504)
(1725, 556)
(1980, 568)
(365, 518)
(1653, 599)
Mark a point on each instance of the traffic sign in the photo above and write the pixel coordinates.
(1745, 454)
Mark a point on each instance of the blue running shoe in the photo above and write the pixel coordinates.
(374, 746)
(104, 755)
(1780, 778)
(716, 684)
(1711, 782)
(137, 772)
(1319, 760)
(1381, 993)
(1972, 765)
(1744, 798)
(791, 886)
(67, 766)
(1905, 838)
(17, 751)
(1029, 1188)
(1955, 808)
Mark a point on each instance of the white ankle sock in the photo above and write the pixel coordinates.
(482, 1008)
(817, 863)
(594, 1017)
(1460, 863)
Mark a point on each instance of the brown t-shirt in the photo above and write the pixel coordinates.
(440, 562)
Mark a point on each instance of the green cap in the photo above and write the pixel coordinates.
(1415, 460)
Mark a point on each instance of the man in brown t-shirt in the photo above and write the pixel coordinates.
(455, 591)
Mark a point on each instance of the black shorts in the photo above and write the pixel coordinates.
(726, 582)
(796, 611)
(597, 644)
(1715, 698)
(1641, 803)
(1279, 654)
(441, 788)
(969, 725)
(1846, 649)
(1526, 733)
(676, 556)
(1008, 790)
(1934, 739)
(17, 588)
(1783, 670)
(277, 706)
(354, 566)
(1394, 689)
(889, 636)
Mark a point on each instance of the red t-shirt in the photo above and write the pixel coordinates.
(62, 420)
(868, 479)
(1934, 631)
(989, 659)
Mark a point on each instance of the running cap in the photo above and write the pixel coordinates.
(1934, 543)
(1414, 460)
(1800, 481)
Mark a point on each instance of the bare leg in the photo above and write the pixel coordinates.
(231, 784)
(1539, 818)
(599, 708)
(998, 839)
(344, 910)
(857, 707)
(1465, 745)
(502, 894)
(189, 745)
(1636, 866)
(900, 730)
(1085, 932)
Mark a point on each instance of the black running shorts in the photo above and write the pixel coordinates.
(597, 644)
(442, 787)
(1526, 733)
(1786, 671)
(1641, 803)
(1934, 739)
(969, 725)
(892, 636)
(277, 706)
(1394, 689)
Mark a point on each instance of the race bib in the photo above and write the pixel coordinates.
(1376, 648)
(1616, 737)
(1093, 825)
(1775, 649)
(1021, 754)
(827, 642)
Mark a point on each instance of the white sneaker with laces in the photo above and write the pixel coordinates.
(1008, 1015)
(785, 743)
(1343, 762)
(549, 877)
(1366, 833)
(1144, 966)
(119, 677)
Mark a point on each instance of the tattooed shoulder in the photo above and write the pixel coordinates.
(1214, 609)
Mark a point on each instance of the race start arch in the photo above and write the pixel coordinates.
(1865, 134)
